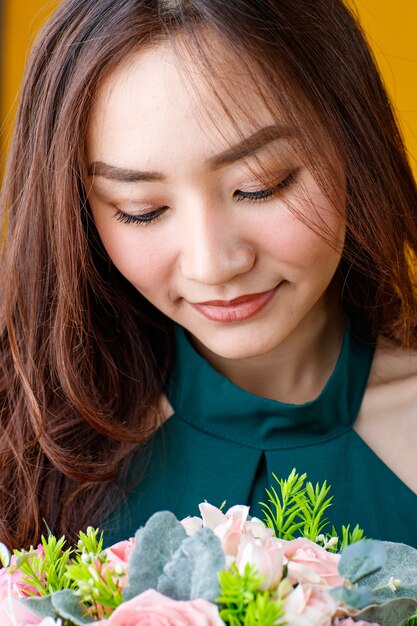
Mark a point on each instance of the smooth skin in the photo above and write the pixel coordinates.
(184, 216)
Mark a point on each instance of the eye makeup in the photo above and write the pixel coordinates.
(258, 196)
(265, 194)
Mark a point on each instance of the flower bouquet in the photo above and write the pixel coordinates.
(221, 569)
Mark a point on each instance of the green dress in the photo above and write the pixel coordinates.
(223, 443)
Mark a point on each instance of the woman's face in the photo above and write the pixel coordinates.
(177, 202)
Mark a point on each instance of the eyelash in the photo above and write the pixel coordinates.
(249, 196)
(265, 194)
(140, 220)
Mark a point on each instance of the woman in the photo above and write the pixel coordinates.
(207, 276)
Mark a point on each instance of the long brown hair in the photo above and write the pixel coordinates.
(83, 356)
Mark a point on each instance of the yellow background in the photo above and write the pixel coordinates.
(390, 26)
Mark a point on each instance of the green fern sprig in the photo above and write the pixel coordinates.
(282, 512)
(349, 536)
(45, 571)
(298, 509)
(313, 504)
(241, 602)
(97, 584)
(264, 612)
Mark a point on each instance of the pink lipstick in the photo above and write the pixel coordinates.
(235, 310)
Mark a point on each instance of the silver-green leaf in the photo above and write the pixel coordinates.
(393, 613)
(193, 571)
(360, 559)
(42, 606)
(357, 598)
(68, 606)
(156, 543)
(400, 565)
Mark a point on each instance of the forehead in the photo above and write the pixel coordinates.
(166, 94)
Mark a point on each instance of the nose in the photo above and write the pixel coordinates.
(214, 249)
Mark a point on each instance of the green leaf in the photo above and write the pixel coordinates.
(298, 508)
(393, 613)
(67, 605)
(242, 604)
(193, 571)
(263, 611)
(41, 606)
(360, 559)
(357, 597)
(156, 544)
(283, 512)
(97, 584)
(91, 541)
(45, 571)
(348, 536)
(400, 564)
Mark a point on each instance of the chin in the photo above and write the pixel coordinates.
(236, 347)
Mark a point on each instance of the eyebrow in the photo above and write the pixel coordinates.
(246, 147)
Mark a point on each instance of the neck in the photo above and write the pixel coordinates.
(297, 369)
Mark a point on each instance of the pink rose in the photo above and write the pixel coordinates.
(153, 609)
(229, 527)
(310, 563)
(192, 524)
(257, 528)
(309, 605)
(349, 622)
(117, 560)
(11, 579)
(14, 613)
(265, 556)
(119, 553)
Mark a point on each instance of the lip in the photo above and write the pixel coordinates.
(235, 310)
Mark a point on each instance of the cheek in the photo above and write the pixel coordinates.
(143, 258)
(309, 238)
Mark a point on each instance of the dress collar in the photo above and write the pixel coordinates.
(207, 400)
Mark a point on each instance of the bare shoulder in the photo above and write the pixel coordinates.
(387, 420)
(392, 363)
(392, 386)
(166, 410)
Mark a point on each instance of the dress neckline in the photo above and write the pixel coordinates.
(210, 402)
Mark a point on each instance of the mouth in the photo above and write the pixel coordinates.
(235, 310)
